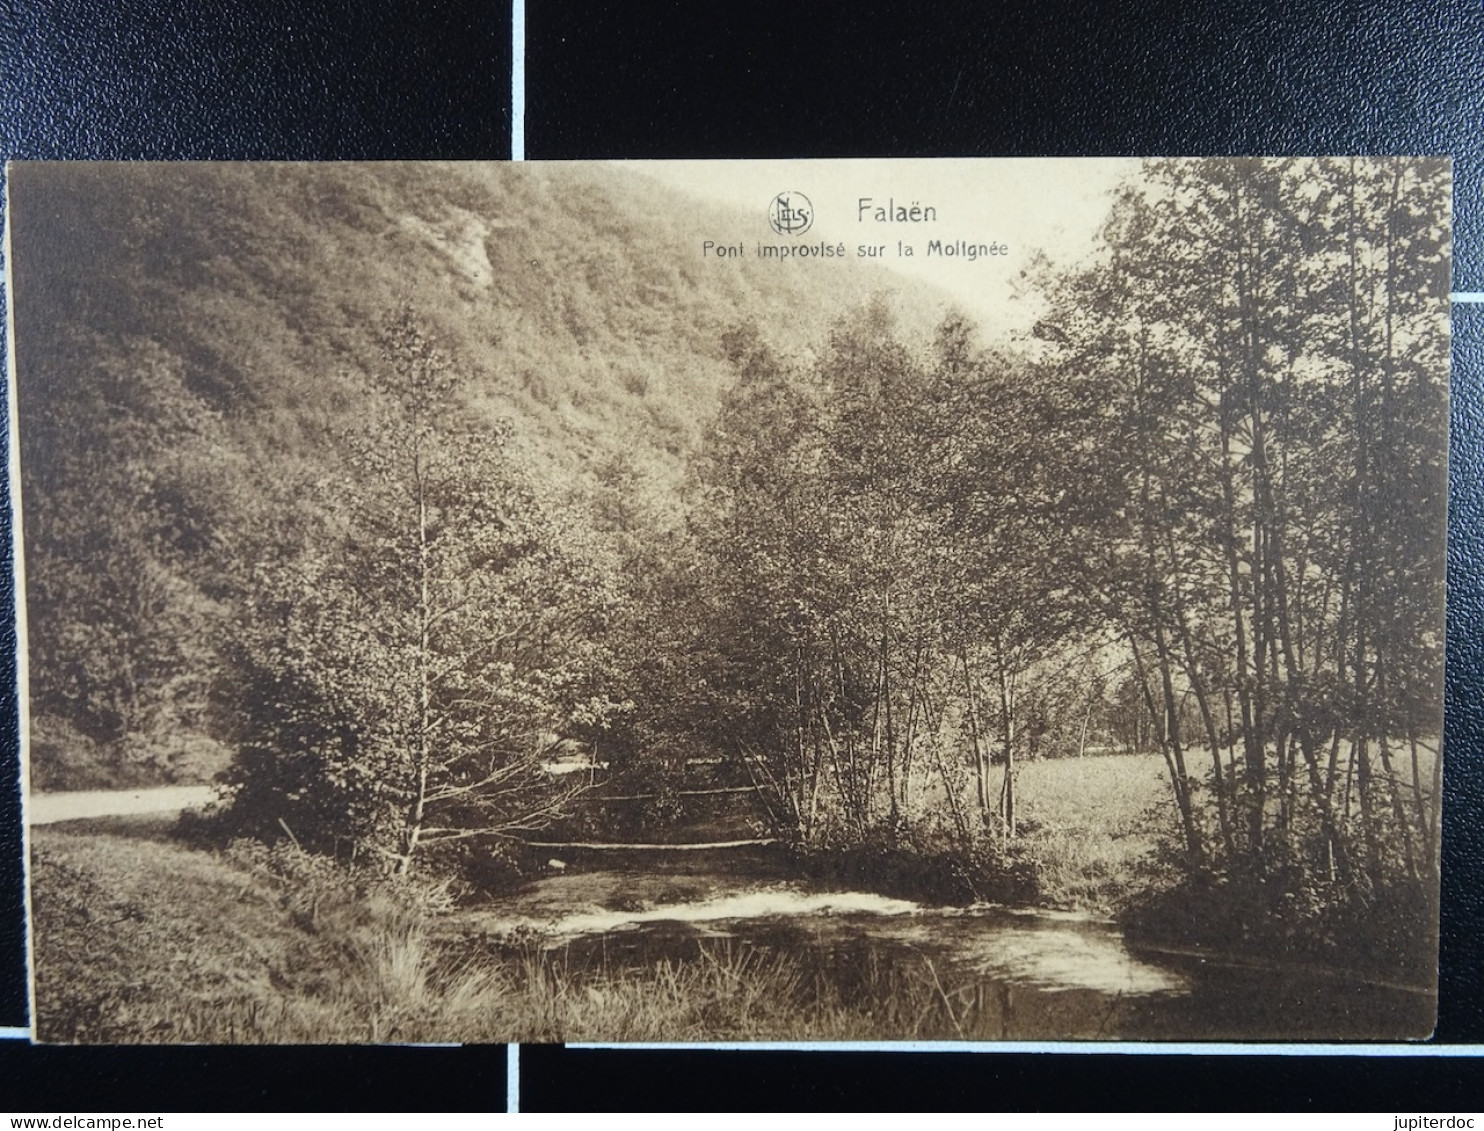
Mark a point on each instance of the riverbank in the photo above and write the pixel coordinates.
(142, 935)
(1087, 830)
(140, 938)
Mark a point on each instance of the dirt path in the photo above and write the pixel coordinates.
(49, 808)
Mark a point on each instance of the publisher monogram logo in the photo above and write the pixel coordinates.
(790, 214)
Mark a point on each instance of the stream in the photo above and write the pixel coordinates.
(984, 973)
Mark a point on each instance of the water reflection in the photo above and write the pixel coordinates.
(734, 907)
(985, 973)
(1060, 959)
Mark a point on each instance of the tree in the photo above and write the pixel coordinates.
(400, 680)
(127, 489)
(1269, 342)
(769, 594)
(1014, 493)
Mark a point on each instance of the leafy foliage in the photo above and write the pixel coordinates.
(403, 680)
(1269, 342)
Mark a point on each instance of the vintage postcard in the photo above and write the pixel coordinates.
(954, 600)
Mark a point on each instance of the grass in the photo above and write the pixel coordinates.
(1088, 825)
(1086, 829)
(141, 940)
(139, 937)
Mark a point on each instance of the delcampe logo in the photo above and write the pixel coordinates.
(790, 214)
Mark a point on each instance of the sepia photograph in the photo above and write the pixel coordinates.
(856, 600)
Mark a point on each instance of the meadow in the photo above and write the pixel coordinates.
(1090, 824)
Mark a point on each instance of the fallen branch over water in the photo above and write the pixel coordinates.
(649, 847)
(594, 799)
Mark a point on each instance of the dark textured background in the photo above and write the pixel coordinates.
(401, 79)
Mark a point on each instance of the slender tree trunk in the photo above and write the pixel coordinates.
(1173, 742)
(1361, 517)
(1179, 784)
(1437, 809)
(981, 760)
(893, 813)
(798, 784)
(914, 720)
(1208, 720)
(1398, 810)
(950, 788)
(1007, 730)
(423, 752)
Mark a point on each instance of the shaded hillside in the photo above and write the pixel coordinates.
(575, 295)
(192, 346)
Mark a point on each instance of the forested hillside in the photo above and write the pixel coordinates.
(194, 345)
